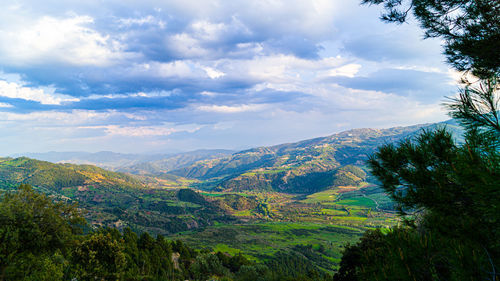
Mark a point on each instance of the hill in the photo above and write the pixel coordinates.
(14, 171)
(260, 201)
(303, 167)
(111, 198)
(135, 163)
(175, 161)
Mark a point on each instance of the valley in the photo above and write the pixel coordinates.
(309, 197)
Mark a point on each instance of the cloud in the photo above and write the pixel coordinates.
(426, 86)
(5, 105)
(394, 43)
(188, 74)
(67, 40)
(141, 131)
(45, 95)
(213, 73)
(141, 21)
(231, 109)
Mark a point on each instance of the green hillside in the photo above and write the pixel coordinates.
(303, 167)
(14, 171)
(113, 199)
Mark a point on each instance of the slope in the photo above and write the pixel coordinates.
(111, 198)
(303, 167)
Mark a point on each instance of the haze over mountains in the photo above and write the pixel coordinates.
(302, 167)
(322, 180)
(113, 160)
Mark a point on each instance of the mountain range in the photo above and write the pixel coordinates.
(153, 192)
(303, 167)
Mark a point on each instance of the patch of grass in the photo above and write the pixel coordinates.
(261, 240)
(328, 195)
(244, 213)
(331, 212)
(358, 201)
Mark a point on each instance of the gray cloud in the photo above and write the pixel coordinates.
(206, 73)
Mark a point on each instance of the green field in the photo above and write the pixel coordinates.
(261, 240)
(325, 220)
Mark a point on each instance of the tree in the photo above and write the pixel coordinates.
(477, 108)
(470, 29)
(447, 192)
(36, 231)
(453, 190)
(99, 257)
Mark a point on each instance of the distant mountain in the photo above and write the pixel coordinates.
(133, 163)
(302, 167)
(104, 159)
(165, 164)
(155, 204)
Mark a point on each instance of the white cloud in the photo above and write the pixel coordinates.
(185, 45)
(42, 95)
(128, 22)
(49, 39)
(130, 95)
(349, 70)
(58, 118)
(281, 68)
(178, 68)
(231, 109)
(116, 130)
(213, 73)
(208, 31)
(164, 129)
(251, 64)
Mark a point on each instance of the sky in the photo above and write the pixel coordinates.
(168, 76)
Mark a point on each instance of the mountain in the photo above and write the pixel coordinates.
(133, 163)
(111, 198)
(14, 171)
(303, 167)
(152, 200)
(166, 163)
(104, 159)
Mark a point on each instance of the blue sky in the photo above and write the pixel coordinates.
(163, 76)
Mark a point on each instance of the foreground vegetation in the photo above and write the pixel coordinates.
(447, 192)
(314, 226)
(43, 240)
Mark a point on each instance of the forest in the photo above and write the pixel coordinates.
(45, 240)
(406, 203)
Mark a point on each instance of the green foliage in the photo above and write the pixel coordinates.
(451, 192)
(40, 241)
(477, 109)
(447, 192)
(34, 230)
(408, 254)
(15, 171)
(206, 265)
(457, 186)
(304, 167)
(113, 199)
(188, 195)
(99, 257)
(294, 265)
(356, 171)
(35, 267)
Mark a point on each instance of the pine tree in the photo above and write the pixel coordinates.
(446, 191)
